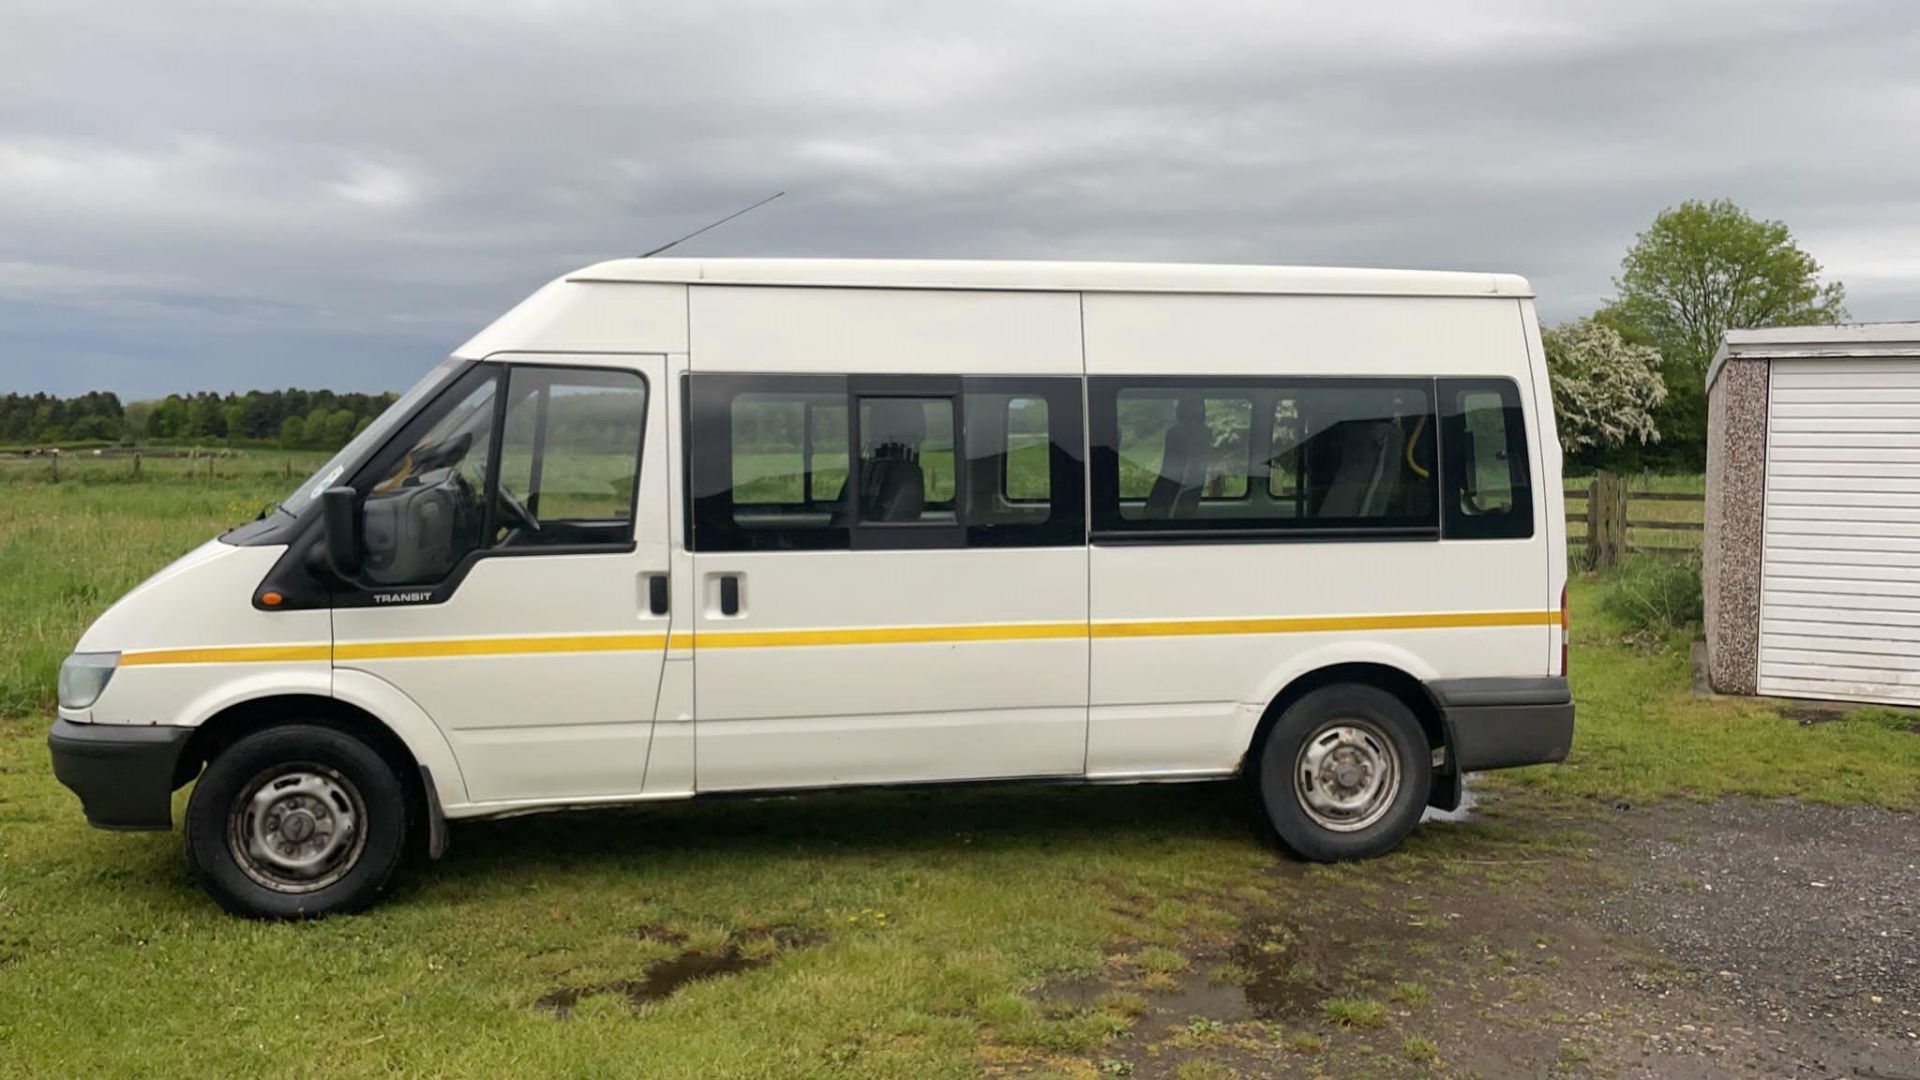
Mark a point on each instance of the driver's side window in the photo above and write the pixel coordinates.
(429, 509)
(570, 457)
(568, 464)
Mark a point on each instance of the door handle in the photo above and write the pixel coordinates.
(730, 594)
(657, 594)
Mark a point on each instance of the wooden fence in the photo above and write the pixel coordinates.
(1613, 515)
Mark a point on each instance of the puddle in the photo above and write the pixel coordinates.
(663, 979)
(1459, 814)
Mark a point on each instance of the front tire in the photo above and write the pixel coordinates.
(297, 822)
(1344, 773)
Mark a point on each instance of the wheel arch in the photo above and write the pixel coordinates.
(1409, 689)
(242, 718)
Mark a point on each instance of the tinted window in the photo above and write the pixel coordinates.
(1354, 455)
(907, 461)
(1026, 485)
(1488, 484)
(769, 462)
(1022, 454)
(1183, 438)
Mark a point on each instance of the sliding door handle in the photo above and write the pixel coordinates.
(730, 594)
(657, 594)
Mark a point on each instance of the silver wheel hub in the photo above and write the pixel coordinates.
(1347, 776)
(297, 828)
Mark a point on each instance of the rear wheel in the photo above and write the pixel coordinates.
(297, 822)
(1344, 773)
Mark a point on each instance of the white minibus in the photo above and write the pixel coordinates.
(673, 527)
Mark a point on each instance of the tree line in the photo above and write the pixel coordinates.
(292, 418)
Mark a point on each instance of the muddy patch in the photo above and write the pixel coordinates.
(1671, 940)
(743, 951)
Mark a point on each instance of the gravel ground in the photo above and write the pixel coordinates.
(1795, 914)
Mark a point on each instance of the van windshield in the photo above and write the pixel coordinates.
(374, 434)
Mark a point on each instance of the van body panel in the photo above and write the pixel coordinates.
(883, 331)
(542, 667)
(855, 667)
(191, 641)
(584, 319)
(1550, 470)
(424, 737)
(1300, 335)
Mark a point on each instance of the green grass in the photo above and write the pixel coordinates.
(111, 962)
(1640, 734)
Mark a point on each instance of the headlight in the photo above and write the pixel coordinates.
(83, 676)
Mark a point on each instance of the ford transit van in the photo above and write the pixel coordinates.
(677, 527)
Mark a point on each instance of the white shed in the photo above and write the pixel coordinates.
(1813, 513)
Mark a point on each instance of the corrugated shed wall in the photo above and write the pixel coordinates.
(1840, 584)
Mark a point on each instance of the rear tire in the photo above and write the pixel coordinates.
(297, 822)
(1344, 773)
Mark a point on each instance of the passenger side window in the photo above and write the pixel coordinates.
(1183, 441)
(1023, 450)
(789, 456)
(1489, 491)
(1343, 456)
(1025, 481)
(768, 462)
(570, 457)
(906, 461)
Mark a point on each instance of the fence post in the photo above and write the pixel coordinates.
(1606, 520)
(54, 466)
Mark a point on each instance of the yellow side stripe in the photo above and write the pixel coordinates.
(228, 654)
(1311, 624)
(887, 635)
(412, 650)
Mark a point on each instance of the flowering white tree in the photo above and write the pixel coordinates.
(1604, 389)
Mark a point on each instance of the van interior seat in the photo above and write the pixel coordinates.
(893, 487)
(1183, 463)
(1363, 484)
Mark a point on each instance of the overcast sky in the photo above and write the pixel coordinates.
(222, 194)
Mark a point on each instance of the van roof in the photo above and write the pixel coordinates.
(1055, 276)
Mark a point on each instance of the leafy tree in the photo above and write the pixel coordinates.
(1605, 389)
(1704, 268)
(293, 432)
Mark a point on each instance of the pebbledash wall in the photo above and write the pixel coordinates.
(1812, 553)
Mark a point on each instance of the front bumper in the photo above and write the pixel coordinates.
(122, 773)
(1501, 723)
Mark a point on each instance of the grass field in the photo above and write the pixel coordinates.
(875, 934)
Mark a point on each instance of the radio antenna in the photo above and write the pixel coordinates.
(715, 225)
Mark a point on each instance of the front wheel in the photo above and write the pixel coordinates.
(296, 822)
(1344, 773)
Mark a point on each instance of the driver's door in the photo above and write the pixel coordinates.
(514, 577)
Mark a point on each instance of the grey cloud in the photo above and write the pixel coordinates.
(214, 193)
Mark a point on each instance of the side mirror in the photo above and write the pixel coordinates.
(340, 512)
